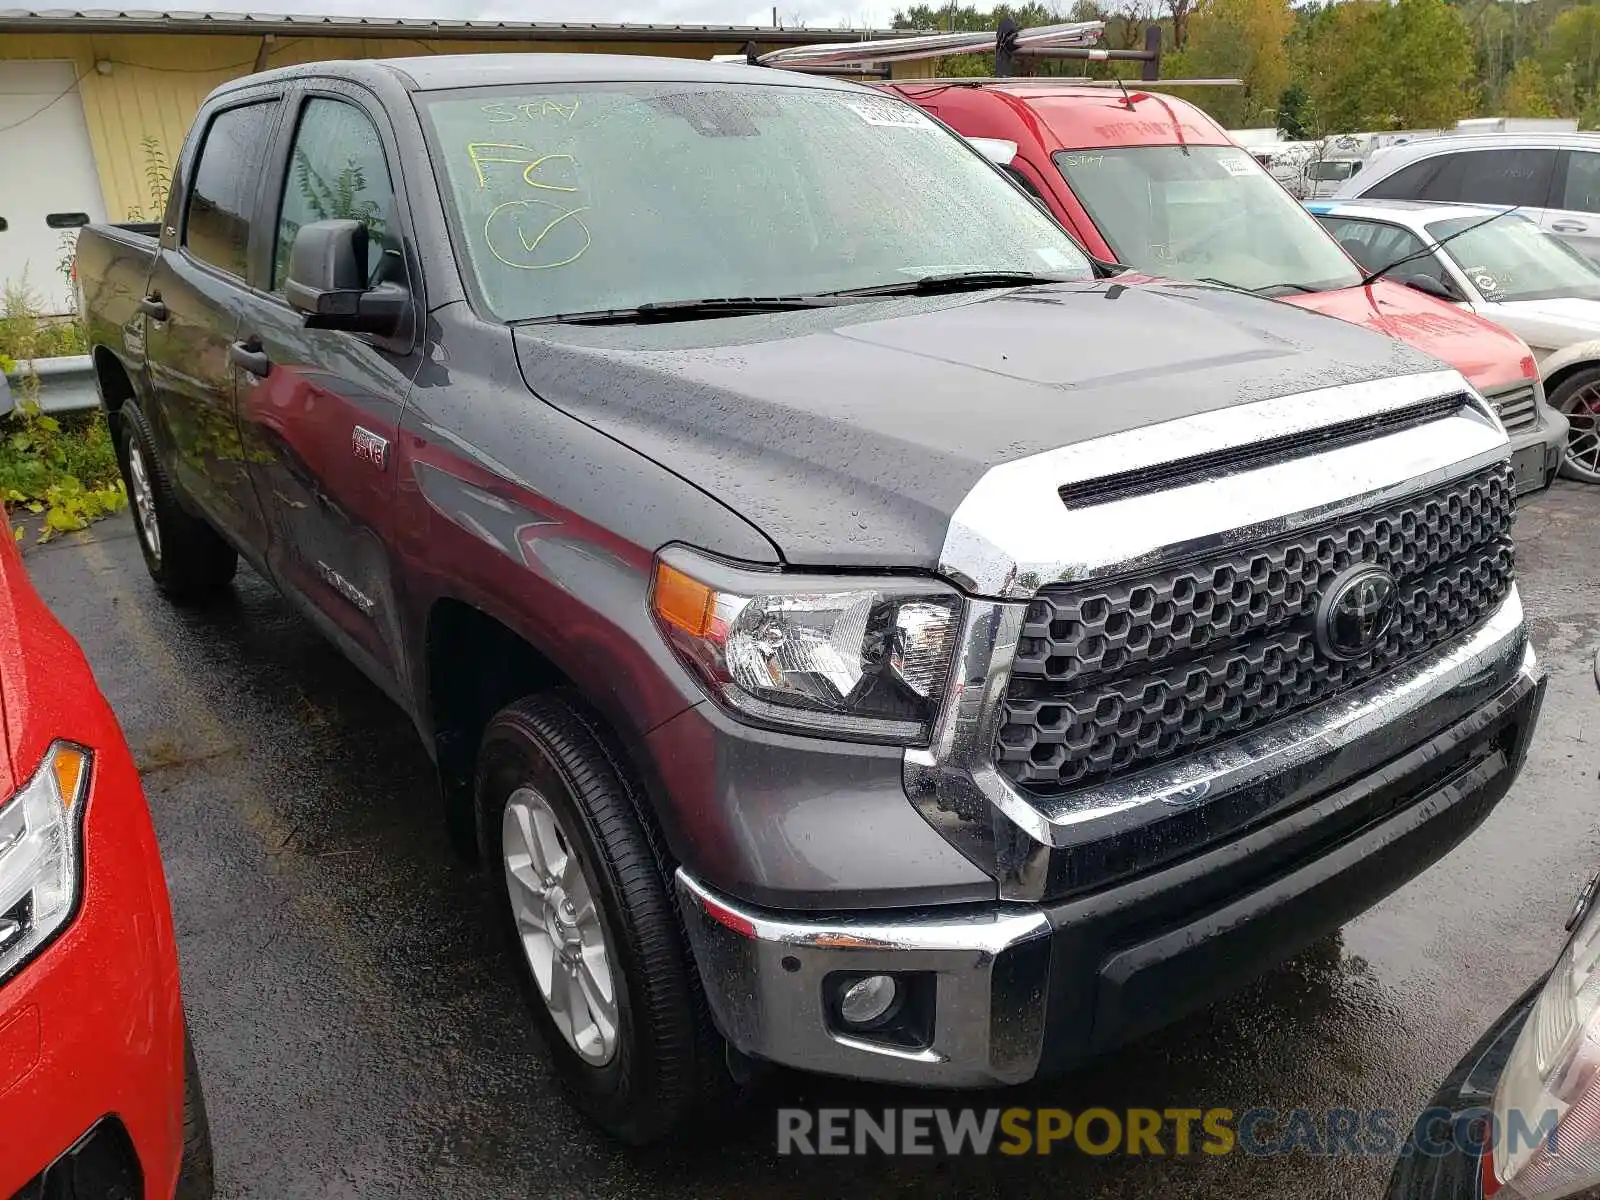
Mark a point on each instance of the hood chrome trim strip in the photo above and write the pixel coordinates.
(1012, 534)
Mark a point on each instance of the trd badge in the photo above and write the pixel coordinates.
(369, 447)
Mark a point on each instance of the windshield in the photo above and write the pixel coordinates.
(609, 196)
(1204, 212)
(1513, 259)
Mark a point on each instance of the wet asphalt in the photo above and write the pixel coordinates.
(360, 1036)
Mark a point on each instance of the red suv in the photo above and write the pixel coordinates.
(99, 1097)
(1152, 181)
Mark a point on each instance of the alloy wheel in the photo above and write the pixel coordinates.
(144, 501)
(559, 926)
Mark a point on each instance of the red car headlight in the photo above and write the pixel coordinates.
(40, 835)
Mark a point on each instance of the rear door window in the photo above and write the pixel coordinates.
(216, 226)
(1495, 177)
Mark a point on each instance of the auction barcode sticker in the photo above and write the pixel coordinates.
(887, 112)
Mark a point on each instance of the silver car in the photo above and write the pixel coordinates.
(1552, 177)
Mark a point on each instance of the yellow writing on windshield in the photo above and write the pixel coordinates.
(504, 113)
(529, 160)
(506, 233)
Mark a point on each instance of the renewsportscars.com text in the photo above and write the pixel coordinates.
(1380, 1132)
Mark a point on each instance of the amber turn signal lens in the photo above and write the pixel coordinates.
(682, 602)
(70, 766)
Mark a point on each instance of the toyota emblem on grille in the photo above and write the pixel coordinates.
(1356, 611)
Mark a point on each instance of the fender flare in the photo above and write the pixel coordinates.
(1561, 361)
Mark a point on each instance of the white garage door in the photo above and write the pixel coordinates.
(47, 177)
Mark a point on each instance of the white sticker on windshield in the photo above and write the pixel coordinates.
(874, 111)
(1053, 258)
(1238, 166)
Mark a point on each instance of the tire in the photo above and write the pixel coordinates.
(188, 559)
(197, 1175)
(544, 769)
(1578, 397)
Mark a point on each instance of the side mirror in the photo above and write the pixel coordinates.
(1431, 285)
(328, 281)
(999, 151)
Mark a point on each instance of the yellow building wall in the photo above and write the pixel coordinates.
(158, 81)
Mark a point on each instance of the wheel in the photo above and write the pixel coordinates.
(186, 557)
(585, 901)
(197, 1174)
(1578, 397)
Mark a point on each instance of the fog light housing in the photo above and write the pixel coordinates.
(868, 1000)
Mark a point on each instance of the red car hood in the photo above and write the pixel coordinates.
(1486, 354)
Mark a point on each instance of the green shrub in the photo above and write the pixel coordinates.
(24, 334)
(62, 467)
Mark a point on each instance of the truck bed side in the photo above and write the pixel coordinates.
(113, 268)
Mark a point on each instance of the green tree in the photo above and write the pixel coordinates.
(1573, 43)
(1526, 94)
(1430, 55)
(1296, 117)
(1243, 39)
(1375, 65)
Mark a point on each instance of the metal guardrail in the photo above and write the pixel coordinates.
(65, 384)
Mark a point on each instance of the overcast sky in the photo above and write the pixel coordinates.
(815, 14)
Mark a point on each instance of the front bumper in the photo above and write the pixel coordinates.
(1536, 451)
(1010, 990)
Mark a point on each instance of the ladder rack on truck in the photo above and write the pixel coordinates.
(1012, 48)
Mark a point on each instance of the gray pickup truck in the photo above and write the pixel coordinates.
(855, 630)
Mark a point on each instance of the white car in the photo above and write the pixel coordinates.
(1502, 266)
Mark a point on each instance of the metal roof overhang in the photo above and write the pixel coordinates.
(311, 25)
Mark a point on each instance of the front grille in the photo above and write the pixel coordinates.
(1518, 410)
(1112, 676)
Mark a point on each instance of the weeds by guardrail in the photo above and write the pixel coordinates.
(62, 466)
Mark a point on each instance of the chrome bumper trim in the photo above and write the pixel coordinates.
(766, 989)
(957, 788)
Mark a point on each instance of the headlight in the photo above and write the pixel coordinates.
(39, 851)
(841, 656)
(1551, 1082)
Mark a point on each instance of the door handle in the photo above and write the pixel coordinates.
(251, 357)
(152, 307)
(1568, 226)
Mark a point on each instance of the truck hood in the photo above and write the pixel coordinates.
(1488, 355)
(1548, 324)
(849, 435)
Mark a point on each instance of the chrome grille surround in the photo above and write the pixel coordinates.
(1014, 535)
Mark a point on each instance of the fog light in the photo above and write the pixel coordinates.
(866, 1000)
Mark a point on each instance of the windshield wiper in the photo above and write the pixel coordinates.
(1372, 276)
(683, 310)
(1256, 291)
(955, 281)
